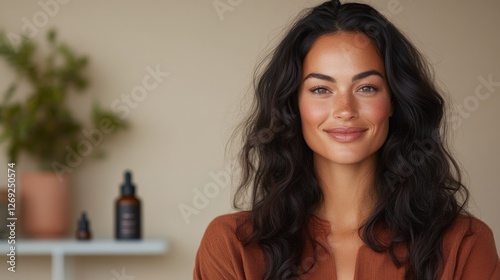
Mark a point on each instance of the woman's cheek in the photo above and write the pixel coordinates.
(313, 112)
(378, 111)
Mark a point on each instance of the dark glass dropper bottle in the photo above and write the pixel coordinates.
(128, 212)
(83, 232)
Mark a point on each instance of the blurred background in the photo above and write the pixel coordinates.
(201, 55)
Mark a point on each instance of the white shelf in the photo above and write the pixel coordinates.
(61, 250)
(90, 247)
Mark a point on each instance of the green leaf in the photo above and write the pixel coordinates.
(116, 121)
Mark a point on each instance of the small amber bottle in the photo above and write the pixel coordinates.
(83, 232)
(128, 212)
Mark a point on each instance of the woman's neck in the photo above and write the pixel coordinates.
(348, 192)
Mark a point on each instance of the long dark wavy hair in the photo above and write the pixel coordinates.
(418, 183)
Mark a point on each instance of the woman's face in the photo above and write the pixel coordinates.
(344, 98)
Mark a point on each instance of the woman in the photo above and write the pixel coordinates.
(345, 162)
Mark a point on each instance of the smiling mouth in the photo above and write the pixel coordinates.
(346, 134)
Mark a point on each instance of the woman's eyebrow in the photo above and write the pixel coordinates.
(355, 78)
(366, 74)
(320, 76)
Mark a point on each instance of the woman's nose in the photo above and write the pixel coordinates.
(344, 106)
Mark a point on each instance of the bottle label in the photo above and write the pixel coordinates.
(128, 222)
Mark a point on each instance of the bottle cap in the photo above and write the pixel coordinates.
(83, 223)
(128, 188)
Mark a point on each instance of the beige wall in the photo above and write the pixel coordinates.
(180, 129)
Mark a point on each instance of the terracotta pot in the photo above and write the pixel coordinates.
(45, 205)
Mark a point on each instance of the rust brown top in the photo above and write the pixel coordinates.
(468, 248)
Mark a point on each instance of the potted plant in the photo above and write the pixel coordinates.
(40, 124)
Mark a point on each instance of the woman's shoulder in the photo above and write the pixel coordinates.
(222, 255)
(468, 229)
(226, 227)
(469, 250)
(468, 225)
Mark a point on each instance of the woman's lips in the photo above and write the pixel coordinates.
(346, 134)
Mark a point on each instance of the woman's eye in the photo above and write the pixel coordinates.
(320, 90)
(368, 89)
